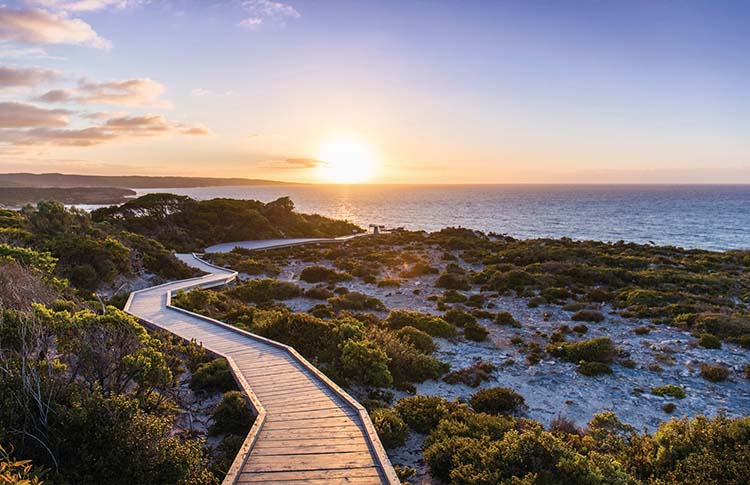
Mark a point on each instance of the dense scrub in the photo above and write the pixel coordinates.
(467, 447)
(88, 254)
(185, 224)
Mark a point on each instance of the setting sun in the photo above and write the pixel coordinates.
(346, 161)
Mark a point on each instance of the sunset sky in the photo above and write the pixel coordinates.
(386, 91)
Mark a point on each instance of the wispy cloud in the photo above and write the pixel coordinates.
(301, 163)
(45, 129)
(25, 76)
(23, 115)
(36, 26)
(261, 11)
(26, 53)
(128, 92)
(86, 5)
(200, 92)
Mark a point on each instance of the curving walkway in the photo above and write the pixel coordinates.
(259, 245)
(307, 430)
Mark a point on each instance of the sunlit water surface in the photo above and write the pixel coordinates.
(710, 217)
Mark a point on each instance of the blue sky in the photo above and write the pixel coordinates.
(455, 91)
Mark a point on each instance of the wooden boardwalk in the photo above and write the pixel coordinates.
(307, 430)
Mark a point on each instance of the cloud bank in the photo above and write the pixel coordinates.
(36, 26)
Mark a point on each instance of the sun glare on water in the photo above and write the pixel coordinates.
(346, 161)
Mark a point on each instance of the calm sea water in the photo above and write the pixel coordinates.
(710, 217)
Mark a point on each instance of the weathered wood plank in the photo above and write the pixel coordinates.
(323, 481)
(307, 462)
(325, 474)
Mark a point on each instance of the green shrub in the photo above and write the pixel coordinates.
(435, 326)
(642, 330)
(593, 368)
(669, 407)
(505, 318)
(476, 332)
(599, 349)
(422, 341)
(407, 364)
(355, 300)
(534, 302)
(458, 317)
(366, 364)
(318, 293)
(309, 335)
(389, 283)
(471, 376)
(423, 413)
(452, 296)
(497, 400)
(669, 390)
(419, 269)
(232, 415)
(213, 376)
(391, 428)
(319, 274)
(709, 341)
(452, 281)
(260, 291)
(714, 373)
(580, 329)
(587, 316)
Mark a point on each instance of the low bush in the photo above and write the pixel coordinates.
(391, 428)
(497, 400)
(669, 390)
(407, 364)
(593, 368)
(580, 329)
(435, 326)
(476, 332)
(232, 415)
(505, 318)
(709, 341)
(421, 340)
(319, 293)
(423, 413)
(452, 281)
(458, 317)
(714, 373)
(260, 291)
(320, 274)
(452, 296)
(213, 376)
(419, 269)
(669, 407)
(642, 330)
(471, 376)
(535, 301)
(365, 364)
(599, 349)
(389, 283)
(587, 316)
(355, 300)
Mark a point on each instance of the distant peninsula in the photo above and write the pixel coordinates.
(17, 189)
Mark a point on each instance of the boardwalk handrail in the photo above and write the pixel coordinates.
(233, 474)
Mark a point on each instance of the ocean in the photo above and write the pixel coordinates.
(690, 216)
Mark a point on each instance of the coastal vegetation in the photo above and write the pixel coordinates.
(386, 317)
